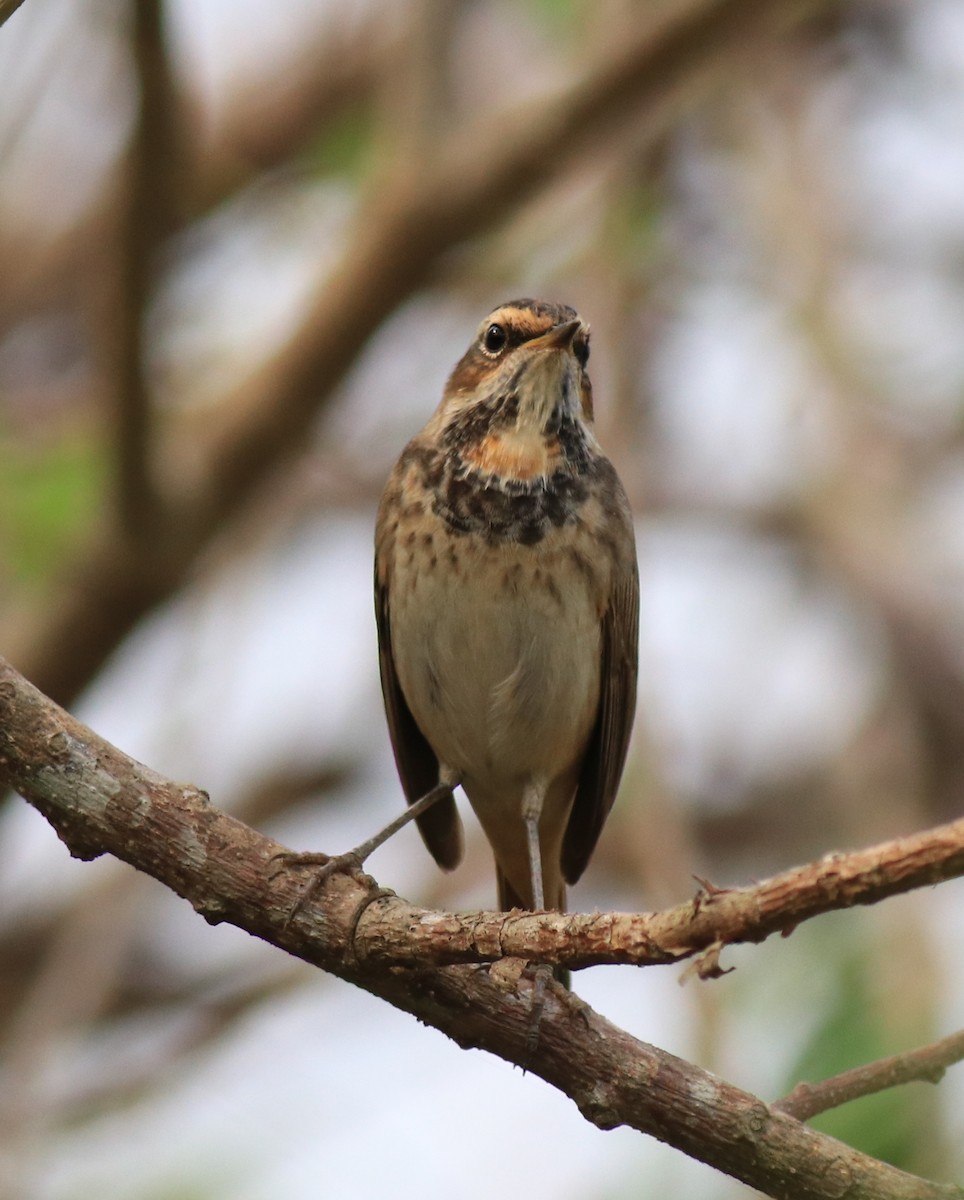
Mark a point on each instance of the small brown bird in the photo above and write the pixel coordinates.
(507, 598)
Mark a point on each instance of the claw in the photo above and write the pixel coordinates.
(327, 864)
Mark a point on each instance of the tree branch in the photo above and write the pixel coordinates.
(7, 9)
(100, 801)
(144, 216)
(715, 917)
(149, 210)
(927, 1063)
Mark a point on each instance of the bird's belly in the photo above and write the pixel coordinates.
(498, 656)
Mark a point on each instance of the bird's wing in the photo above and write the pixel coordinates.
(418, 767)
(606, 753)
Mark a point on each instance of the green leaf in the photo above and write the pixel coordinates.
(48, 497)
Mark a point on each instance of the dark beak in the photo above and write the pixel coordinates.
(559, 338)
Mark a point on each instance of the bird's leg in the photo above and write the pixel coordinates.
(532, 801)
(353, 860)
(531, 813)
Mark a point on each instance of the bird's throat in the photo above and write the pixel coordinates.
(519, 454)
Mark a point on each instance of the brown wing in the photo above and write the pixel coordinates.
(606, 753)
(418, 768)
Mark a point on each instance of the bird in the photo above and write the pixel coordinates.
(507, 608)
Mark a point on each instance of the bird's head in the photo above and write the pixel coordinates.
(525, 366)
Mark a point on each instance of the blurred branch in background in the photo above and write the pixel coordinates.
(8, 8)
(150, 189)
(398, 238)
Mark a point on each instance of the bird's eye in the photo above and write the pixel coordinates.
(495, 339)
(580, 347)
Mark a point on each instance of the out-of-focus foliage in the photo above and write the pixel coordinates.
(48, 497)
(344, 149)
(891, 1125)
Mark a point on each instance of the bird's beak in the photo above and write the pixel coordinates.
(559, 338)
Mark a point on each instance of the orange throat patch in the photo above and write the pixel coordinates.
(513, 456)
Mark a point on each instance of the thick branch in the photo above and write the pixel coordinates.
(927, 1063)
(101, 801)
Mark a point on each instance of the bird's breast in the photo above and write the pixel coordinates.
(497, 648)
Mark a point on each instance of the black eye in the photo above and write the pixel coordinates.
(495, 339)
(580, 347)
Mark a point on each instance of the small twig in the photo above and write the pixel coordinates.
(927, 1063)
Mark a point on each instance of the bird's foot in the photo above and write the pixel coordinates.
(326, 865)
(543, 974)
(354, 860)
(542, 977)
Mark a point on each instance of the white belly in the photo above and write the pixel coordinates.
(501, 671)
